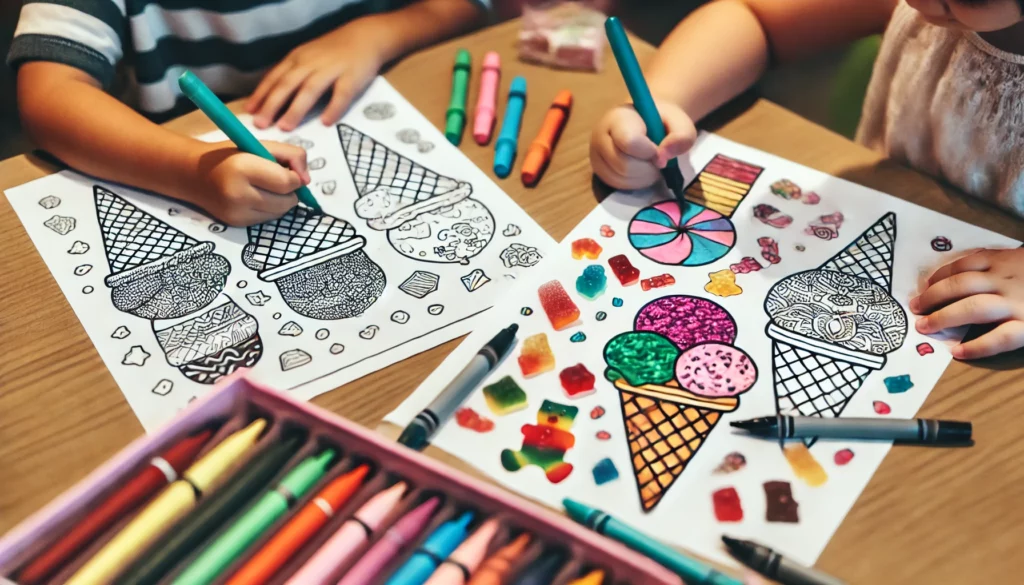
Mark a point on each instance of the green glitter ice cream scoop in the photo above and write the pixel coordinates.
(640, 357)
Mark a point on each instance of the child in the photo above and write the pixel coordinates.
(945, 99)
(292, 52)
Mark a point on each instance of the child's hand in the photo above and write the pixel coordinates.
(243, 189)
(343, 62)
(984, 287)
(622, 155)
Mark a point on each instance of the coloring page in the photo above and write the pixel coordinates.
(413, 246)
(775, 289)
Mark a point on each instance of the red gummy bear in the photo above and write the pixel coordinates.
(586, 248)
(624, 269)
(468, 418)
(659, 281)
(577, 381)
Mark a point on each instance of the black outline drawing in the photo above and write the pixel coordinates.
(290, 329)
(294, 358)
(424, 146)
(163, 387)
(378, 111)
(369, 332)
(121, 332)
(520, 255)
(709, 191)
(156, 271)
(408, 136)
(420, 284)
(400, 317)
(212, 343)
(258, 298)
(242, 283)
(79, 247)
(61, 224)
(217, 228)
(299, 141)
(474, 280)
(87, 290)
(82, 269)
(601, 316)
(941, 244)
(317, 163)
(317, 262)
(428, 217)
(136, 356)
(685, 324)
(435, 310)
(49, 202)
(328, 187)
(172, 211)
(322, 334)
(511, 231)
(277, 316)
(826, 227)
(832, 326)
(336, 348)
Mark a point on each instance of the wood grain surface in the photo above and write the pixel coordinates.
(928, 516)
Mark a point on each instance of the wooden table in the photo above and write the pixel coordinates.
(936, 516)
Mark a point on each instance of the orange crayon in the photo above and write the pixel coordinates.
(300, 529)
(497, 569)
(544, 144)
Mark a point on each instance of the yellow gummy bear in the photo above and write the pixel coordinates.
(723, 283)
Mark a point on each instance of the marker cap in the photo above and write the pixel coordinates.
(504, 152)
(954, 432)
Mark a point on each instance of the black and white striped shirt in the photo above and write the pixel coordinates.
(229, 44)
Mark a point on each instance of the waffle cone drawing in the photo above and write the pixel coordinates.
(665, 427)
(831, 327)
(156, 271)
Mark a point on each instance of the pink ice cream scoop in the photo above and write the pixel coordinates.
(715, 370)
(687, 321)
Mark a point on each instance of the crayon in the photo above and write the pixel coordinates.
(211, 514)
(775, 566)
(159, 472)
(168, 507)
(321, 568)
(204, 99)
(543, 570)
(508, 138)
(539, 154)
(913, 431)
(233, 542)
(455, 119)
(487, 100)
(387, 548)
(497, 569)
(462, 563)
(441, 543)
(300, 529)
(595, 577)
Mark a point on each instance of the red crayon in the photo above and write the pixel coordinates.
(162, 470)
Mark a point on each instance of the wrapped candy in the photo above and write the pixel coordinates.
(564, 35)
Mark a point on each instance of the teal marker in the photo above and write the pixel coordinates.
(455, 119)
(692, 571)
(642, 100)
(204, 99)
(232, 543)
(508, 139)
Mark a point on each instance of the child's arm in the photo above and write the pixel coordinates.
(344, 61)
(713, 56)
(65, 112)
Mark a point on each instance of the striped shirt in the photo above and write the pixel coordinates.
(229, 44)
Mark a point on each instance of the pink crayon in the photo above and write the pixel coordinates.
(387, 548)
(487, 100)
(322, 567)
(465, 560)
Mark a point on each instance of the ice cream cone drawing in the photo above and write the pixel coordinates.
(831, 327)
(677, 373)
(427, 216)
(213, 343)
(701, 232)
(317, 262)
(156, 271)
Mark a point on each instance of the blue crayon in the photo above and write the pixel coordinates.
(441, 543)
(508, 139)
(543, 570)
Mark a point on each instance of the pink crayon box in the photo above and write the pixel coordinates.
(239, 400)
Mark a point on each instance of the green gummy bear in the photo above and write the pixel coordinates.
(641, 357)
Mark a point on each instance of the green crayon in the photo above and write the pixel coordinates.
(231, 544)
(455, 119)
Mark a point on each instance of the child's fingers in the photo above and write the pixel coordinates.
(1006, 337)
(976, 309)
(291, 156)
(976, 262)
(954, 288)
(279, 95)
(629, 135)
(266, 84)
(305, 99)
(272, 177)
(615, 169)
(275, 205)
(341, 97)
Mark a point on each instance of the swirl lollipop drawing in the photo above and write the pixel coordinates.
(677, 373)
(831, 327)
(701, 232)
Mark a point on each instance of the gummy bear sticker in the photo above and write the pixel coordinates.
(545, 443)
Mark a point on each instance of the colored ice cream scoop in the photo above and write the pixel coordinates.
(715, 370)
(487, 100)
(640, 357)
(508, 138)
(687, 321)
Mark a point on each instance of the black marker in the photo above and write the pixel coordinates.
(419, 432)
(775, 566)
(917, 431)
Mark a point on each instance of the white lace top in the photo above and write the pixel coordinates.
(951, 105)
